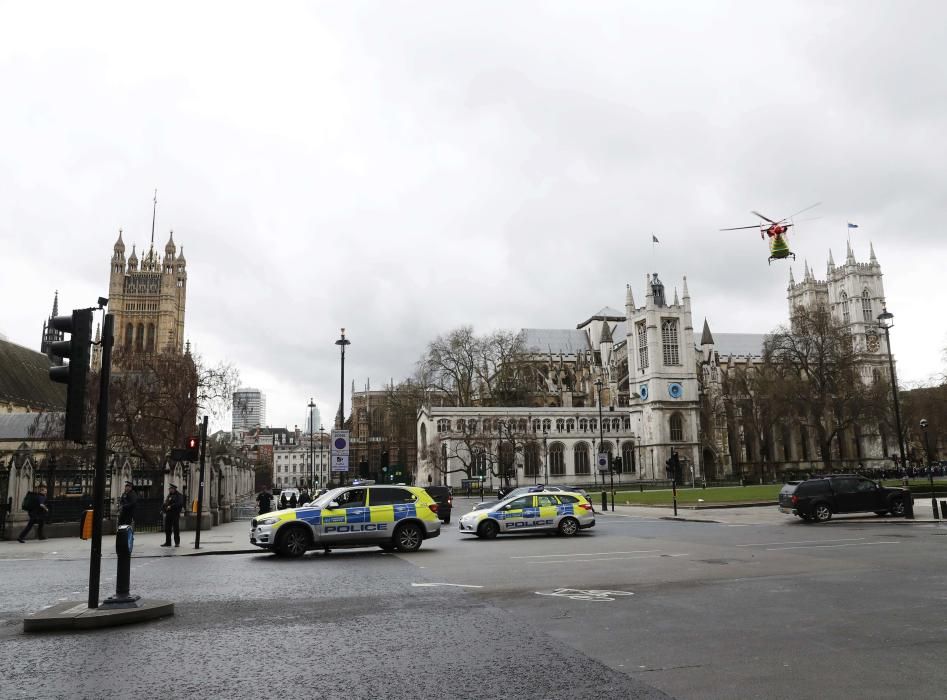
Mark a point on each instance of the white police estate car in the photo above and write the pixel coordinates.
(565, 513)
(390, 517)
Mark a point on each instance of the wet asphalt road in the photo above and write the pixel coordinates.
(769, 610)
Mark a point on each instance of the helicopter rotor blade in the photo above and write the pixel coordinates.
(811, 206)
(763, 217)
(739, 228)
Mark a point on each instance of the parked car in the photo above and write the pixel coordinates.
(444, 498)
(820, 498)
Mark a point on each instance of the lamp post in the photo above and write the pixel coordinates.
(886, 321)
(340, 419)
(930, 466)
(545, 460)
(601, 439)
(322, 461)
(312, 429)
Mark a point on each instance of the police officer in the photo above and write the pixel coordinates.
(128, 501)
(172, 507)
(265, 499)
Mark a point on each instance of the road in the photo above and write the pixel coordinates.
(757, 607)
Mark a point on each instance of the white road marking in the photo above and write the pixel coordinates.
(593, 595)
(458, 585)
(773, 544)
(646, 556)
(828, 546)
(582, 554)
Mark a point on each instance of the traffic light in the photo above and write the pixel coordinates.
(78, 349)
(193, 448)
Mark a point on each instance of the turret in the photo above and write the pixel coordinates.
(831, 266)
(133, 261)
(169, 249)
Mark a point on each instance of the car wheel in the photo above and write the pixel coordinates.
(568, 526)
(897, 507)
(408, 538)
(822, 513)
(293, 542)
(488, 530)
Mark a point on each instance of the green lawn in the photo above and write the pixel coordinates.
(722, 495)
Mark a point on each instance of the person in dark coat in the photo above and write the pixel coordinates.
(37, 510)
(265, 499)
(304, 498)
(292, 500)
(128, 501)
(172, 507)
(282, 501)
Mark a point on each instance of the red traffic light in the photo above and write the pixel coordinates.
(192, 443)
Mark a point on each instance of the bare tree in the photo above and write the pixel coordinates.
(817, 377)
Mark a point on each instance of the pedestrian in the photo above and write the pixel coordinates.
(265, 500)
(292, 500)
(128, 501)
(172, 507)
(304, 497)
(34, 503)
(282, 501)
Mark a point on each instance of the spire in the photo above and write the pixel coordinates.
(606, 333)
(792, 280)
(629, 299)
(871, 258)
(119, 244)
(831, 265)
(170, 248)
(676, 301)
(687, 294)
(133, 260)
(707, 338)
(850, 257)
(98, 332)
(180, 259)
(55, 305)
(807, 275)
(154, 211)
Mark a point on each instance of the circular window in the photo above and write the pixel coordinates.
(643, 392)
(675, 390)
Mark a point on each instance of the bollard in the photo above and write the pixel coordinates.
(943, 510)
(703, 484)
(908, 505)
(674, 495)
(640, 487)
(613, 501)
(124, 543)
(604, 501)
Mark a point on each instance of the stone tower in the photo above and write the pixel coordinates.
(662, 371)
(50, 334)
(148, 303)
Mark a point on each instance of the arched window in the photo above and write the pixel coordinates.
(523, 423)
(531, 461)
(423, 441)
(479, 461)
(140, 337)
(443, 425)
(570, 425)
(628, 457)
(866, 307)
(593, 425)
(672, 356)
(129, 336)
(150, 346)
(557, 462)
(616, 424)
(626, 423)
(560, 425)
(507, 461)
(536, 425)
(486, 425)
(444, 456)
(547, 424)
(472, 426)
(846, 317)
(461, 425)
(677, 428)
(583, 425)
(580, 455)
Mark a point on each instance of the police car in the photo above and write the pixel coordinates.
(565, 513)
(390, 517)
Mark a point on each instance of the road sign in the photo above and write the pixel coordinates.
(340, 463)
(602, 461)
(340, 442)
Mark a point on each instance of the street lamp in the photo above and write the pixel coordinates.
(545, 460)
(312, 429)
(340, 419)
(601, 438)
(322, 462)
(930, 465)
(886, 321)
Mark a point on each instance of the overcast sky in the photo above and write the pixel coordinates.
(403, 168)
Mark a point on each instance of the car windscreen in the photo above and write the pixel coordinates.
(326, 498)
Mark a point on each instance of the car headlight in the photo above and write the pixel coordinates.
(267, 521)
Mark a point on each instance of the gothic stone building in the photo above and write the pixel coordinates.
(656, 377)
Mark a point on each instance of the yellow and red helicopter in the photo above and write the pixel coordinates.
(777, 232)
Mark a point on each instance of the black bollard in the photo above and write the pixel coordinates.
(124, 543)
(943, 510)
(604, 501)
(908, 504)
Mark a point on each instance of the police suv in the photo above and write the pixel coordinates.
(564, 513)
(390, 517)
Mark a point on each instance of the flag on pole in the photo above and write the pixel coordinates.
(654, 239)
(851, 225)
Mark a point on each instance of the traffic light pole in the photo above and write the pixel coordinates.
(101, 435)
(200, 487)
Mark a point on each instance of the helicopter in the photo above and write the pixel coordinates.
(777, 232)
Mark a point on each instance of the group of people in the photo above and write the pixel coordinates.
(265, 500)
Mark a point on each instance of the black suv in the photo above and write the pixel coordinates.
(817, 499)
(444, 498)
